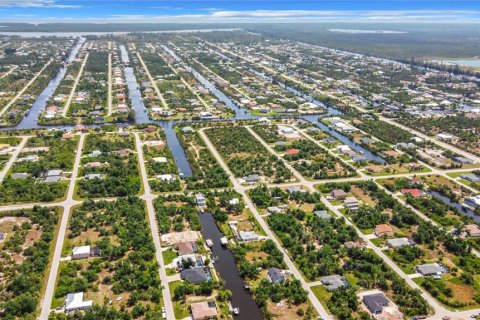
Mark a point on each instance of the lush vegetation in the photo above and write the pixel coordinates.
(207, 172)
(245, 155)
(23, 262)
(120, 172)
(126, 265)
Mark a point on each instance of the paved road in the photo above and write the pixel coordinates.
(271, 71)
(149, 197)
(13, 158)
(109, 98)
(152, 81)
(74, 88)
(67, 206)
(291, 266)
(440, 310)
(20, 93)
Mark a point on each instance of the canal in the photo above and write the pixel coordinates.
(227, 269)
(460, 208)
(40, 103)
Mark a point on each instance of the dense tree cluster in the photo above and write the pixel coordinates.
(22, 281)
(126, 263)
(247, 157)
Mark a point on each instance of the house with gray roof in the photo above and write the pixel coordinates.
(293, 189)
(196, 275)
(20, 175)
(400, 242)
(323, 214)
(334, 282)
(470, 177)
(376, 302)
(276, 275)
(431, 269)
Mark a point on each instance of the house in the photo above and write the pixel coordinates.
(93, 176)
(251, 179)
(375, 302)
(29, 158)
(351, 203)
(390, 153)
(374, 168)
(160, 160)
(473, 201)
(67, 136)
(52, 179)
(415, 193)
(187, 129)
(248, 236)
(473, 230)
(470, 177)
(234, 201)
(200, 200)
(383, 230)
(95, 164)
(122, 152)
(196, 261)
(463, 160)
(334, 282)
(322, 214)
(400, 242)
(338, 194)
(354, 245)
(287, 130)
(367, 140)
(203, 310)
(276, 275)
(166, 177)
(196, 275)
(292, 152)
(75, 302)
(431, 269)
(53, 173)
(330, 140)
(294, 189)
(95, 153)
(20, 175)
(274, 210)
(188, 247)
(81, 252)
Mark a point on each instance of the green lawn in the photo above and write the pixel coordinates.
(322, 295)
(168, 256)
(180, 309)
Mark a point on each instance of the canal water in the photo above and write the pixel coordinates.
(227, 269)
(40, 103)
(141, 116)
(456, 205)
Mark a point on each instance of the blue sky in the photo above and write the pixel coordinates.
(239, 11)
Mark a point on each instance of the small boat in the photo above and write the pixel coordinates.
(223, 241)
(209, 242)
(236, 311)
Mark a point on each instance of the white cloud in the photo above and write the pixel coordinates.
(36, 4)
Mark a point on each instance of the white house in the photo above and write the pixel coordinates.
(80, 252)
(75, 302)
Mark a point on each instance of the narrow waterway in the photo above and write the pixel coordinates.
(345, 140)
(40, 103)
(240, 114)
(228, 271)
(331, 111)
(456, 205)
(141, 116)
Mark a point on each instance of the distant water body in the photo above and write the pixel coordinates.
(463, 62)
(366, 31)
(79, 34)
